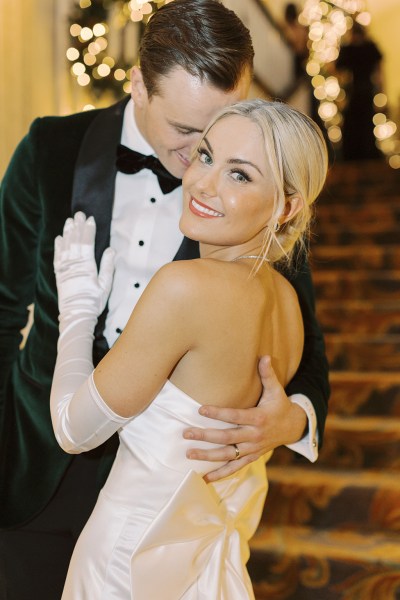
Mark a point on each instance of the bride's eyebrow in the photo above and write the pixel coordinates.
(207, 143)
(240, 161)
(234, 161)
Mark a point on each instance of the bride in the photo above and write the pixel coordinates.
(159, 530)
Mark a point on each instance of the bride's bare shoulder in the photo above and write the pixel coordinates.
(191, 279)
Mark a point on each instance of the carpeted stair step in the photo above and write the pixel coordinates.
(332, 499)
(362, 442)
(353, 443)
(352, 232)
(359, 197)
(355, 257)
(365, 394)
(354, 285)
(359, 316)
(337, 214)
(360, 352)
(362, 175)
(299, 563)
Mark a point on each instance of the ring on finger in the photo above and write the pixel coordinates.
(237, 452)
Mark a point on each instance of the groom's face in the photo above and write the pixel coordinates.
(173, 119)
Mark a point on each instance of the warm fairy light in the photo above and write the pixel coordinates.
(89, 59)
(90, 35)
(83, 79)
(313, 67)
(364, 19)
(379, 118)
(99, 29)
(334, 134)
(327, 110)
(385, 130)
(86, 34)
(332, 88)
(78, 68)
(394, 161)
(119, 74)
(75, 30)
(380, 100)
(127, 87)
(108, 60)
(136, 16)
(102, 42)
(103, 70)
(72, 54)
(94, 48)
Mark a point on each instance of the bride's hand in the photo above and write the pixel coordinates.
(80, 287)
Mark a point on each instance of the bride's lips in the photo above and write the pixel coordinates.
(202, 210)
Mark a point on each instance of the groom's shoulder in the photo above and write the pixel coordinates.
(75, 124)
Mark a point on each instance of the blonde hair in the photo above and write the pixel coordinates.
(298, 158)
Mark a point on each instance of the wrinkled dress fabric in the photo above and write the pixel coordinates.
(158, 531)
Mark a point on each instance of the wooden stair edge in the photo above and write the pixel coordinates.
(303, 541)
(333, 477)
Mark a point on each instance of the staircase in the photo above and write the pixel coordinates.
(331, 530)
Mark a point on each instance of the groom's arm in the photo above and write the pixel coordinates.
(311, 378)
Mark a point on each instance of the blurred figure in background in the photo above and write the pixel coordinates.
(359, 69)
(297, 36)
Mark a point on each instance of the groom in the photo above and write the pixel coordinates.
(196, 57)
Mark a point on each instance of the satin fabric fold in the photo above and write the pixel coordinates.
(197, 547)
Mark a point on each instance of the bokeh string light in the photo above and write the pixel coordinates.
(100, 38)
(328, 22)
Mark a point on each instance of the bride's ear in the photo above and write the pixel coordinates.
(294, 204)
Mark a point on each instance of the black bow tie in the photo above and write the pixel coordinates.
(130, 162)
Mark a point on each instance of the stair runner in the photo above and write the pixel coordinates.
(331, 530)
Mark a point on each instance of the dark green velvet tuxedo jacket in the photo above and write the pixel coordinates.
(66, 164)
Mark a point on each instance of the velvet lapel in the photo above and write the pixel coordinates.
(95, 171)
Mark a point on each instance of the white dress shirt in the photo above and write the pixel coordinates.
(145, 231)
(145, 235)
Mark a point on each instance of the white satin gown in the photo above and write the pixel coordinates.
(158, 531)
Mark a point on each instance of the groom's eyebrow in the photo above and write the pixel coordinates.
(185, 127)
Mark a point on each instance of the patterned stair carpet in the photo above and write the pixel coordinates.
(331, 530)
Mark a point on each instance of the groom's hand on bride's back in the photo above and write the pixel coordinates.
(274, 422)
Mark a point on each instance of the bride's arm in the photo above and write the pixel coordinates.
(86, 407)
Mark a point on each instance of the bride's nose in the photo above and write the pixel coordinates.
(207, 185)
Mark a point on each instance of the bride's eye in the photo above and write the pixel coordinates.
(204, 156)
(240, 176)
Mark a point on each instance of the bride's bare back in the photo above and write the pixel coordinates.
(236, 319)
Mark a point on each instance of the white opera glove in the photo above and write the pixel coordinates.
(79, 422)
(80, 288)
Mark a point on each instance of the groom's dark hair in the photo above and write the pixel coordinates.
(203, 37)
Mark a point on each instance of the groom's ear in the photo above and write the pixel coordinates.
(139, 92)
(294, 204)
